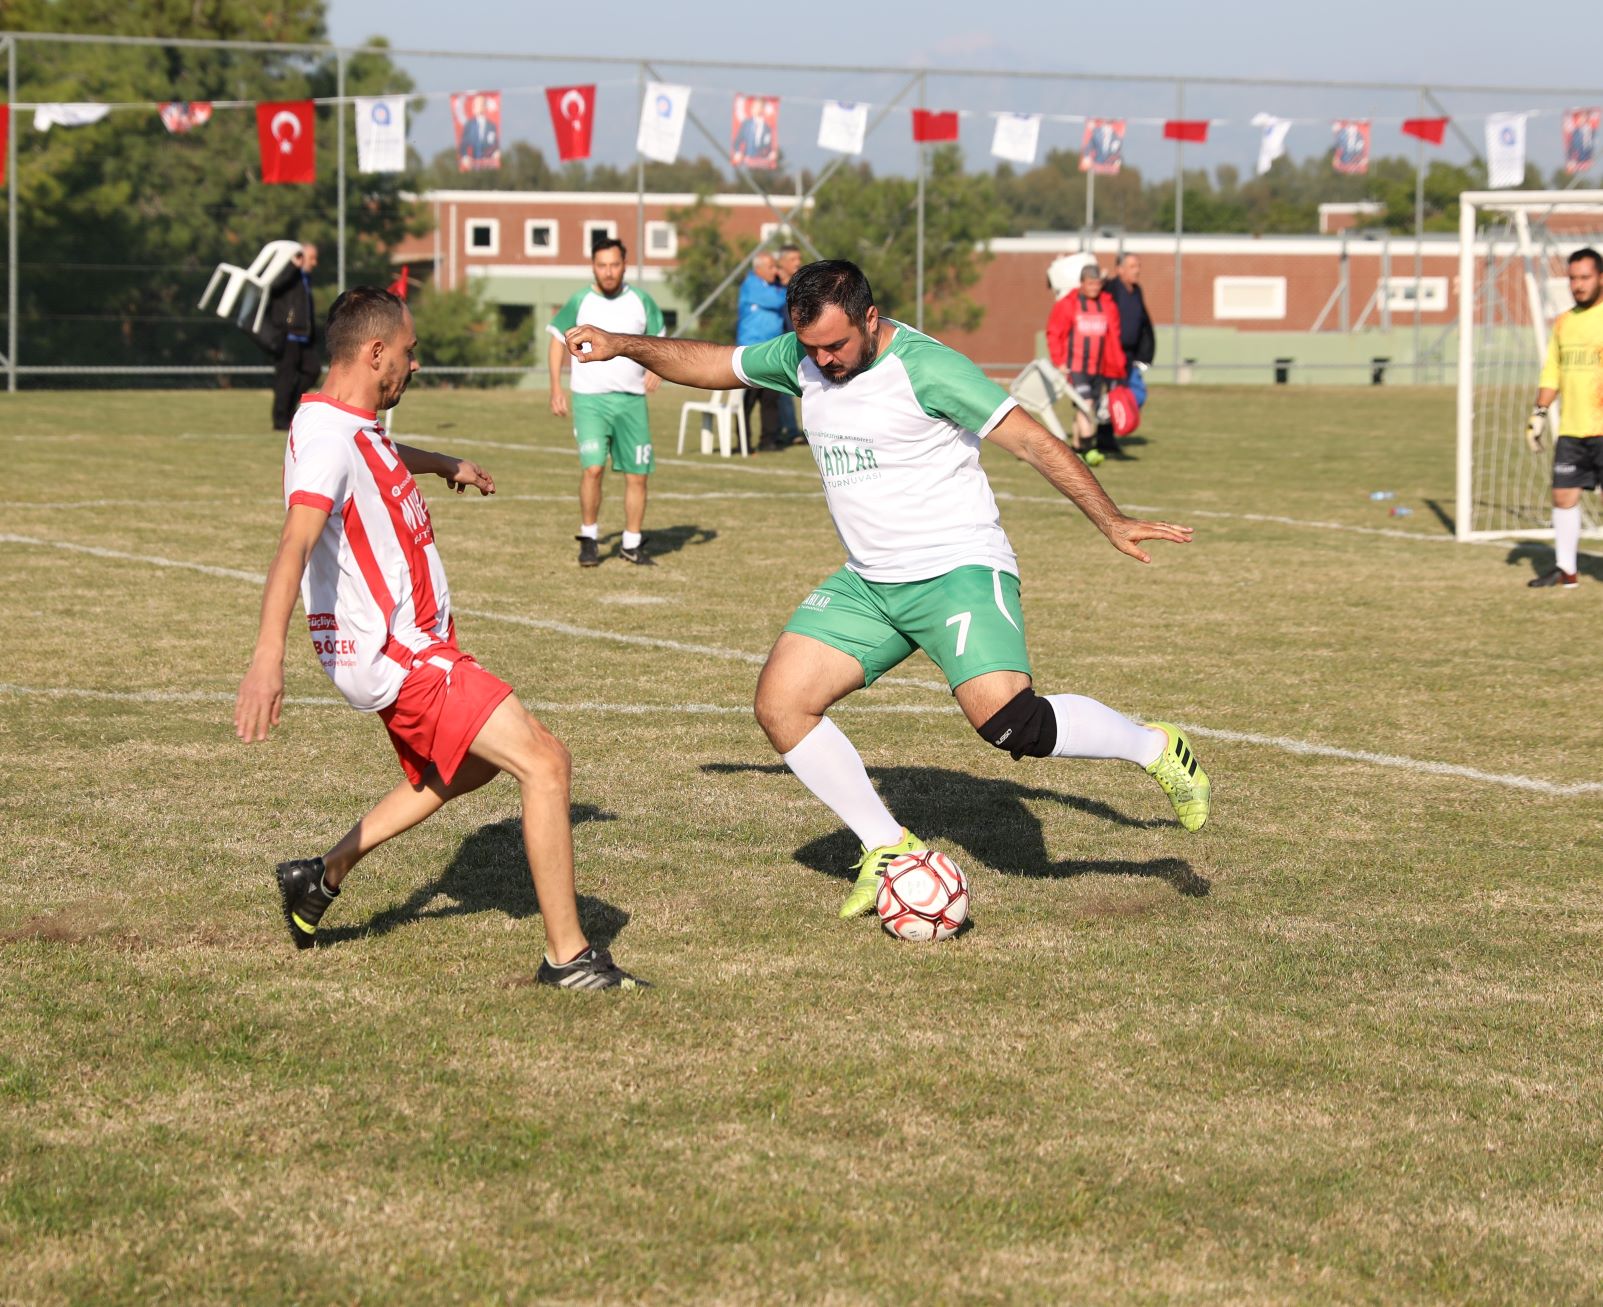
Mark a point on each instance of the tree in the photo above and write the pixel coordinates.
(121, 223)
(460, 329)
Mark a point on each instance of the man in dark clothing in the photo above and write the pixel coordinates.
(1135, 323)
(292, 336)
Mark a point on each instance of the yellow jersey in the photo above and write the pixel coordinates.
(1574, 368)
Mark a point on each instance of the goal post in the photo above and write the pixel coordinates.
(1513, 255)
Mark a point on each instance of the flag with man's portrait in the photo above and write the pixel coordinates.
(1102, 146)
(754, 132)
(476, 115)
(1580, 139)
(1350, 149)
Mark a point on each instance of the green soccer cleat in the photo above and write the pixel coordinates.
(871, 867)
(1182, 777)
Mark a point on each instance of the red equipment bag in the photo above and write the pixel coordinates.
(1124, 412)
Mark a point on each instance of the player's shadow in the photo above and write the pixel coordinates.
(662, 540)
(490, 873)
(989, 820)
(1538, 556)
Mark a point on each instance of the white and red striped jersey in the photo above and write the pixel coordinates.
(374, 589)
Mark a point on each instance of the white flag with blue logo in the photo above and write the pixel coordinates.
(1505, 149)
(381, 133)
(1272, 140)
(1016, 137)
(843, 126)
(662, 121)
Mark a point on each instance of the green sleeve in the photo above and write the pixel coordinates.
(568, 315)
(950, 385)
(654, 323)
(772, 365)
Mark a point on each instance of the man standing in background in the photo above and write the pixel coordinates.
(1135, 323)
(292, 327)
(762, 317)
(609, 401)
(789, 262)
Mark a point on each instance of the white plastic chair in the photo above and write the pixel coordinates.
(257, 279)
(1038, 388)
(727, 411)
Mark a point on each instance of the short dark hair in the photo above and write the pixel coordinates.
(361, 314)
(837, 282)
(1589, 253)
(608, 243)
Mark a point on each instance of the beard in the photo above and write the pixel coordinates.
(1589, 300)
(839, 375)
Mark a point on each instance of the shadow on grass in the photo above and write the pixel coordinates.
(662, 540)
(488, 874)
(1448, 521)
(1538, 556)
(988, 819)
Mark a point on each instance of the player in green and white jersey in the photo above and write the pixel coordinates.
(609, 400)
(895, 420)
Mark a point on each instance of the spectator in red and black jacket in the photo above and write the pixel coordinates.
(1083, 338)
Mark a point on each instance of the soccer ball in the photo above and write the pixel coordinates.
(922, 896)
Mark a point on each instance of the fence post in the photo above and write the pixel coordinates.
(918, 279)
(640, 188)
(1419, 231)
(1179, 218)
(339, 127)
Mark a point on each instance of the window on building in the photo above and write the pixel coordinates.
(484, 235)
(662, 240)
(597, 228)
(670, 321)
(540, 238)
(1249, 299)
(1429, 296)
(771, 231)
(515, 318)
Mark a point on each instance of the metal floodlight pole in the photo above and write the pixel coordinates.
(1179, 218)
(640, 186)
(339, 127)
(1090, 204)
(11, 215)
(918, 273)
(1419, 234)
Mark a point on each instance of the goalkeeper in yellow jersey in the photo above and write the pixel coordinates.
(1573, 374)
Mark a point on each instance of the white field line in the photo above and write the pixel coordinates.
(1532, 784)
(1284, 743)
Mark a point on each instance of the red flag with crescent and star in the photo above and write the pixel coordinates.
(573, 110)
(284, 133)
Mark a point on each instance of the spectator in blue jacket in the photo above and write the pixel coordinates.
(762, 317)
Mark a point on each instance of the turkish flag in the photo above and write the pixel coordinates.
(1186, 129)
(573, 110)
(1433, 130)
(398, 286)
(284, 133)
(934, 125)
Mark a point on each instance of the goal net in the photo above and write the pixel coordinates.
(1514, 249)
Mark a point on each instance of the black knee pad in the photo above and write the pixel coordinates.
(1026, 727)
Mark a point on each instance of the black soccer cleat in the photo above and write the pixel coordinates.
(638, 555)
(589, 555)
(592, 969)
(1569, 580)
(300, 885)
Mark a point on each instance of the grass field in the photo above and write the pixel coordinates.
(1342, 1045)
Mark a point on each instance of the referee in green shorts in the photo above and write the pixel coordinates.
(609, 400)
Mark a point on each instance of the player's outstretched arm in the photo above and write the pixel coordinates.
(459, 473)
(261, 694)
(703, 364)
(1026, 439)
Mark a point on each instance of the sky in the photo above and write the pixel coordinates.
(1359, 40)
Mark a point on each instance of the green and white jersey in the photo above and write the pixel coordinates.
(631, 312)
(898, 448)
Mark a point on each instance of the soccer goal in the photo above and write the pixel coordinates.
(1513, 254)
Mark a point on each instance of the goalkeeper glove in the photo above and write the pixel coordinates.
(1536, 428)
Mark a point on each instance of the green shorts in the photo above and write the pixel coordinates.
(968, 621)
(615, 425)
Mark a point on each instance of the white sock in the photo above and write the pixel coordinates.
(1088, 729)
(632, 539)
(1567, 538)
(591, 531)
(827, 764)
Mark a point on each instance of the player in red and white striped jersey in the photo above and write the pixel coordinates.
(359, 546)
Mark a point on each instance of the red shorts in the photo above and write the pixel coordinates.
(443, 704)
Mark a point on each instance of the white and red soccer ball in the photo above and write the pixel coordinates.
(922, 895)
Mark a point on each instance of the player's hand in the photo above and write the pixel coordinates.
(602, 345)
(1126, 533)
(1536, 429)
(259, 702)
(652, 382)
(559, 402)
(469, 473)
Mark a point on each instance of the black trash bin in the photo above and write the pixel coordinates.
(1377, 370)
(1283, 371)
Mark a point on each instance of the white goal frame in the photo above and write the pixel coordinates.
(1476, 258)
